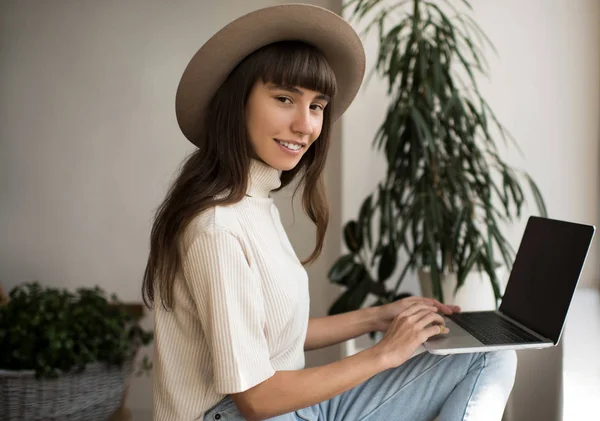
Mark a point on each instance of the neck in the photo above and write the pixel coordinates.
(262, 179)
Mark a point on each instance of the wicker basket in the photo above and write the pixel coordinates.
(92, 395)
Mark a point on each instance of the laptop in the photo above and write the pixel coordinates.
(538, 294)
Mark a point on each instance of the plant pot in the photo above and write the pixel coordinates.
(91, 395)
(476, 294)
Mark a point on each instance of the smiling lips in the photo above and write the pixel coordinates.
(292, 146)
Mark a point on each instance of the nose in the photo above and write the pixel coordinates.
(302, 123)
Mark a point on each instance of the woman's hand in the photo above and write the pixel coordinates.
(388, 312)
(412, 326)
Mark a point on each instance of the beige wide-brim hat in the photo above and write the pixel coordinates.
(214, 61)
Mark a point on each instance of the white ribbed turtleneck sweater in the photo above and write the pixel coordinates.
(241, 306)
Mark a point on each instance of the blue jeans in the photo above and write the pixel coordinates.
(473, 387)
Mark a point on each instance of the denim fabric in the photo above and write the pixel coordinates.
(464, 387)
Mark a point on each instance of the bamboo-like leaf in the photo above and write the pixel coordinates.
(467, 4)
(480, 31)
(438, 76)
(449, 104)
(467, 268)
(488, 264)
(462, 250)
(490, 243)
(450, 5)
(380, 137)
(423, 59)
(366, 8)
(456, 230)
(503, 245)
(424, 132)
(502, 196)
(516, 193)
(349, 3)
(479, 58)
(436, 282)
(454, 8)
(501, 129)
(379, 21)
(446, 21)
(537, 194)
(466, 65)
(393, 126)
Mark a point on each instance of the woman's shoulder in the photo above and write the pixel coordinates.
(214, 220)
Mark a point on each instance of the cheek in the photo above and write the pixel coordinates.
(317, 128)
(256, 123)
(266, 121)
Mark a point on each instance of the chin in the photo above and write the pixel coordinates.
(286, 165)
(283, 164)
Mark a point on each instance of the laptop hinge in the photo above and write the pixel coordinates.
(525, 328)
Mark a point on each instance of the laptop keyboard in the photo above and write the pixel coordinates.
(491, 329)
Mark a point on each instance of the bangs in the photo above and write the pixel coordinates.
(296, 63)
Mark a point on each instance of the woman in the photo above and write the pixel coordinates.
(232, 320)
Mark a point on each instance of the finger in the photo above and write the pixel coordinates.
(434, 302)
(435, 330)
(415, 319)
(419, 315)
(444, 308)
(426, 300)
(430, 318)
(449, 309)
(415, 308)
(424, 318)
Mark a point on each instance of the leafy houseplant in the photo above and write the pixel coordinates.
(447, 191)
(54, 331)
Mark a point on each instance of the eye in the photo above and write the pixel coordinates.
(317, 107)
(283, 99)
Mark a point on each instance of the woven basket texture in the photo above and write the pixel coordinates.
(91, 395)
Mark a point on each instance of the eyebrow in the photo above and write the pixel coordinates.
(294, 90)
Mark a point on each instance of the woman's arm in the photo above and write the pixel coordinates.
(288, 391)
(331, 330)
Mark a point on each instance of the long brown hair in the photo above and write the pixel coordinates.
(220, 165)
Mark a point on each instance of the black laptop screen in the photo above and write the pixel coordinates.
(545, 273)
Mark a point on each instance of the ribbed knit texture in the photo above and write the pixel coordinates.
(241, 306)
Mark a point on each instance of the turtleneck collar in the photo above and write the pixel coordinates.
(262, 179)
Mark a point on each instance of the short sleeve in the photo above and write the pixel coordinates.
(230, 304)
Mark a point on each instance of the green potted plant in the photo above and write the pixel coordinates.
(447, 192)
(65, 355)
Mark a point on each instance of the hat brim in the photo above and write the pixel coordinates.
(214, 61)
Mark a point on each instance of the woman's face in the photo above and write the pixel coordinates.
(283, 122)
